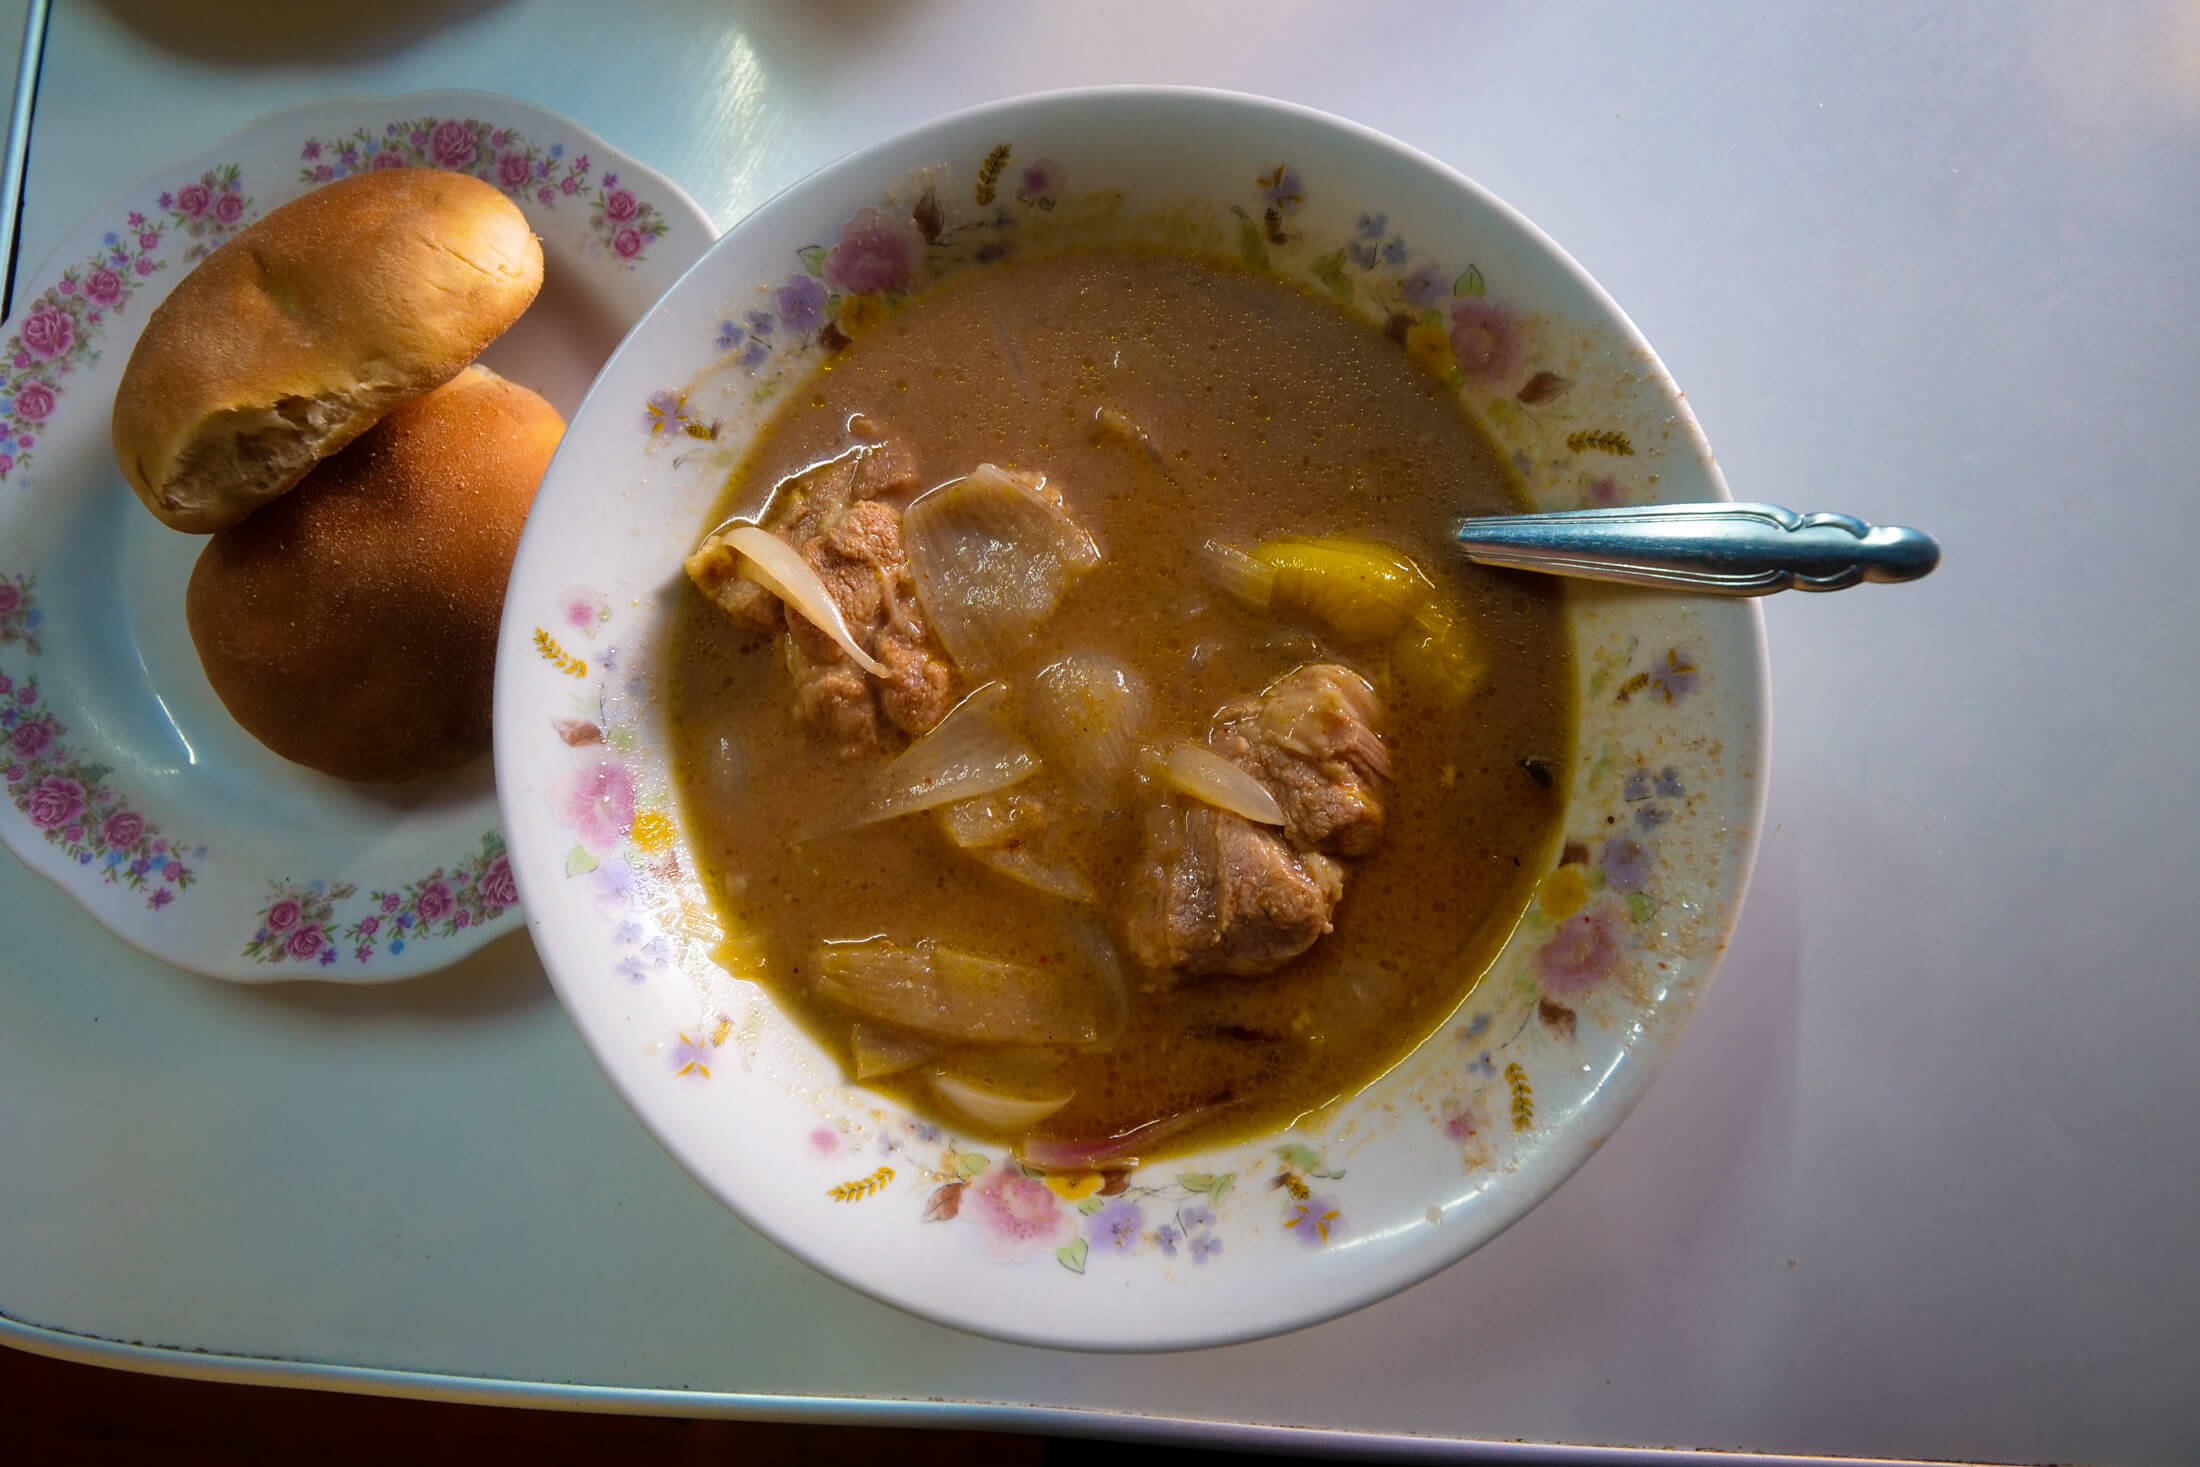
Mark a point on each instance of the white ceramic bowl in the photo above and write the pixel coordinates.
(1664, 788)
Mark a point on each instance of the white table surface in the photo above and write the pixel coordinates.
(1921, 1180)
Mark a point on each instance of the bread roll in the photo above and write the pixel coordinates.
(352, 624)
(294, 337)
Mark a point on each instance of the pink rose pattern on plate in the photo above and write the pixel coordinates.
(301, 923)
(1587, 955)
(206, 211)
(69, 800)
(624, 224)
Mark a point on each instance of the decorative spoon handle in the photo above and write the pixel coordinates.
(1726, 549)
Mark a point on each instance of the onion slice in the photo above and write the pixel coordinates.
(992, 1108)
(968, 753)
(1208, 777)
(993, 554)
(780, 569)
(1248, 580)
(1117, 1152)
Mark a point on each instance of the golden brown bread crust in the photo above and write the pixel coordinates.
(297, 335)
(351, 625)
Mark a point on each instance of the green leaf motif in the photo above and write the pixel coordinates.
(1469, 283)
(970, 1164)
(1072, 1255)
(1221, 1188)
(1195, 1181)
(1305, 1158)
(578, 862)
(813, 258)
(1092, 1204)
(1251, 245)
(1640, 907)
(1329, 269)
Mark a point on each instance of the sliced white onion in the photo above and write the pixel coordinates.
(780, 569)
(987, 829)
(1208, 777)
(1248, 581)
(992, 553)
(992, 1108)
(1086, 712)
(948, 994)
(968, 753)
(880, 1052)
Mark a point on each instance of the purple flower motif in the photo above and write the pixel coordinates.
(387, 159)
(610, 180)
(328, 955)
(73, 834)
(569, 185)
(145, 265)
(1316, 1221)
(1362, 255)
(1584, 950)
(362, 952)
(26, 695)
(1650, 817)
(729, 337)
(1042, 178)
(1116, 1226)
(760, 322)
(161, 897)
(1371, 226)
(1394, 253)
(391, 901)
(1675, 676)
(321, 174)
(665, 412)
(174, 869)
(166, 200)
(1167, 1235)
(368, 926)
(754, 355)
(1485, 338)
(349, 157)
(1625, 862)
(17, 773)
(1197, 1216)
(802, 303)
(1284, 190)
(546, 195)
(312, 150)
(1668, 783)
(613, 888)
(876, 251)
(497, 138)
(628, 933)
(1205, 1246)
(691, 1057)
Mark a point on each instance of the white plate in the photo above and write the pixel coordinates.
(127, 782)
(1664, 788)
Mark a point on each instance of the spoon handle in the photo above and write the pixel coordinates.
(1726, 549)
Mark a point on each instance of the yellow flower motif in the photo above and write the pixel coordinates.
(1563, 893)
(1431, 347)
(860, 315)
(1075, 1189)
(653, 830)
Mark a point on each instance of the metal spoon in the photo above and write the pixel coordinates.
(1725, 549)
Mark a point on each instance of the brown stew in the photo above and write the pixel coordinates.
(1278, 766)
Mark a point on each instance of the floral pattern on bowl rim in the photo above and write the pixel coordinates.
(231, 898)
(1489, 1112)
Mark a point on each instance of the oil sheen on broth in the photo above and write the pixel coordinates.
(1172, 402)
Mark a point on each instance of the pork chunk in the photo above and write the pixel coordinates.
(854, 542)
(1215, 893)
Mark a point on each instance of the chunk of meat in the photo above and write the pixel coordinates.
(1311, 739)
(853, 541)
(1215, 893)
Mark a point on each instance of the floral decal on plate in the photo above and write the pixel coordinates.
(57, 331)
(67, 799)
(209, 209)
(300, 923)
(625, 224)
(1589, 928)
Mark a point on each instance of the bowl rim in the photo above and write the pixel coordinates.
(1558, 1157)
